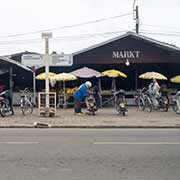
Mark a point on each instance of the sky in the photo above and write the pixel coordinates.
(23, 21)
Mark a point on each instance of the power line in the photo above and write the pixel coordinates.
(160, 34)
(161, 26)
(66, 27)
(75, 37)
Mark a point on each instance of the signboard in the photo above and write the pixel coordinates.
(126, 54)
(61, 60)
(36, 60)
(32, 60)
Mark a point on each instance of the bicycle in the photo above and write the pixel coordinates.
(111, 100)
(25, 102)
(5, 104)
(143, 100)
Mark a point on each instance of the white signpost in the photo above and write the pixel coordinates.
(37, 60)
(61, 60)
(32, 60)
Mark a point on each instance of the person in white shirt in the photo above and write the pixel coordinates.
(155, 87)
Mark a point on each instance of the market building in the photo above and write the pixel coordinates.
(130, 53)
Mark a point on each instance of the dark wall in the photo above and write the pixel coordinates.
(149, 53)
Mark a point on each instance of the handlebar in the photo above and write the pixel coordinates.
(26, 90)
(4, 92)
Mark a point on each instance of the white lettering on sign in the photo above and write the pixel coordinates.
(126, 54)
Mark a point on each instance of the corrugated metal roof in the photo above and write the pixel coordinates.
(138, 36)
(10, 61)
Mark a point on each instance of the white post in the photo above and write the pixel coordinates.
(46, 36)
(34, 88)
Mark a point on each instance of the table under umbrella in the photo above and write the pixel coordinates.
(64, 77)
(114, 73)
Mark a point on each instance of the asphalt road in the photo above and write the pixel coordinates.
(89, 154)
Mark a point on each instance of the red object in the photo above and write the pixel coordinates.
(33, 68)
(1, 88)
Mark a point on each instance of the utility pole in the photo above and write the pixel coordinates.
(137, 20)
(46, 36)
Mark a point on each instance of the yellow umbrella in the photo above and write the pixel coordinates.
(64, 77)
(42, 76)
(114, 73)
(175, 79)
(152, 75)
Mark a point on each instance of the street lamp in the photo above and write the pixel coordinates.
(127, 62)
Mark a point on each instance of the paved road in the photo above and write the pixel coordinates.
(90, 154)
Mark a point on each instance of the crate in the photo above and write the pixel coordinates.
(43, 110)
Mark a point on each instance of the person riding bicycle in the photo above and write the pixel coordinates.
(154, 88)
(154, 93)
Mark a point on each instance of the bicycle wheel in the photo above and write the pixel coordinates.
(165, 108)
(141, 104)
(27, 108)
(148, 104)
(174, 107)
(3, 110)
(11, 110)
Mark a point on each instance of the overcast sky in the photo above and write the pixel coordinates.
(159, 19)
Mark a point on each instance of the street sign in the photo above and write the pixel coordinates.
(61, 60)
(37, 60)
(32, 60)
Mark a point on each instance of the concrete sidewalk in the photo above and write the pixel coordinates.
(105, 118)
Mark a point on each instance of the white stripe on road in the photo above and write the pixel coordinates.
(65, 170)
(136, 143)
(16, 142)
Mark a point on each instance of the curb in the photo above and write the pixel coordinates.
(88, 126)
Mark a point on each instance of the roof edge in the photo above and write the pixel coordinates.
(8, 60)
(129, 33)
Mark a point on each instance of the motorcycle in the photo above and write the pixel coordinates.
(176, 103)
(91, 105)
(120, 102)
(5, 104)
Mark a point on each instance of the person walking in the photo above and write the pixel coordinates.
(96, 94)
(78, 96)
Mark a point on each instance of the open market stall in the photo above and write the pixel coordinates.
(63, 77)
(88, 73)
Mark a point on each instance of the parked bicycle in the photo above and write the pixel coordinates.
(118, 101)
(176, 103)
(5, 104)
(143, 100)
(161, 102)
(25, 102)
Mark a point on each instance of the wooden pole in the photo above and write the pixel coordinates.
(136, 78)
(137, 20)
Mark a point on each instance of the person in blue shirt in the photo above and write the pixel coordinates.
(79, 94)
